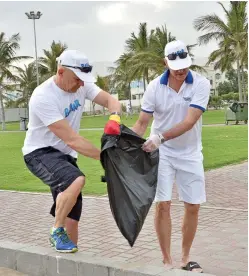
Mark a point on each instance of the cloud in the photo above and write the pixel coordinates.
(128, 13)
(100, 28)
(159, 5)
(112, 14)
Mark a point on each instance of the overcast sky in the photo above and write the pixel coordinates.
(99, 29)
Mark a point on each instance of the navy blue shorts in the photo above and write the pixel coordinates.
(58, 171)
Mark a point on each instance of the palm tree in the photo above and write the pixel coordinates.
(136, 45)
(158, 40)
(152, 57)
(231, 35)
(8, 49)
(121, 75)
(26, 80)
(48, 64)
(144, 57)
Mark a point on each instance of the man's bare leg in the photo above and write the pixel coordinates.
(66, 200)
(72, 227)
(163, 229)
(189, 227)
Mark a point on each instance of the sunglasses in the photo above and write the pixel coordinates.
(180, 55)
(86, 69)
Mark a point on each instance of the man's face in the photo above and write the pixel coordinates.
(179, 75)
(71, 82)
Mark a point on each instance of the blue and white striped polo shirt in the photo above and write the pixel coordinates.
(170, 108)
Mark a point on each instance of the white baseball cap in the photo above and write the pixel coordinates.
(77, 62)
(177, 47)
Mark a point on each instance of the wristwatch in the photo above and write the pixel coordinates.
(161, 138)
(116, 113)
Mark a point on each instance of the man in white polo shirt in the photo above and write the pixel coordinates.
(176, 100)
(53, 142)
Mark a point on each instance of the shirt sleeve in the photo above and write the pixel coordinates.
(92, 90)
(148, 102)
(46, 110)
(201, 96)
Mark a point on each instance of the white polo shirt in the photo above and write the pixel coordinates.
(49, 104)
(170, 108)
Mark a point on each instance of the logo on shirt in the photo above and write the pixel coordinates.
(72, 107)
(187, 99)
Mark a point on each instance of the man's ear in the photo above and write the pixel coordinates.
(165, 63)
(60, 71)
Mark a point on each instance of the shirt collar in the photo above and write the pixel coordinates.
(165, 77)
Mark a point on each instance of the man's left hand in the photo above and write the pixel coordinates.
(112, 127)
(153, 143)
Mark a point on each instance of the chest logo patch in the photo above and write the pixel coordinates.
(72, 107)
(187, 99)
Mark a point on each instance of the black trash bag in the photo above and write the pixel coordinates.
(131, 176)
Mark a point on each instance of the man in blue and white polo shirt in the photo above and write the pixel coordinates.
(176, 100)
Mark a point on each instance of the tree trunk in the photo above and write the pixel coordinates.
(129, 87)
(2, 112)
(27, 98)
(243, 85)
(146, 78)
(239, 82)
(144, 81)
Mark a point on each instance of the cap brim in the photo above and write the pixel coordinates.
(86, 77)
(179, 64)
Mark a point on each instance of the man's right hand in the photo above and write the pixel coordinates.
(112, 127)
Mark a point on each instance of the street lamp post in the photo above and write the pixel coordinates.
(34, 16)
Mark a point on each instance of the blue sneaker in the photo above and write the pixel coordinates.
(60, 240)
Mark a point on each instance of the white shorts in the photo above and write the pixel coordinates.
(188, 176)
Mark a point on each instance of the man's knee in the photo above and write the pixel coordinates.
(192, 209)
(80, 182)
(163, 208)
(76, 187)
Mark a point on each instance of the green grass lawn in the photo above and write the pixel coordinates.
(214, 117)
(209, 117)
(11, 126)
(222, 146)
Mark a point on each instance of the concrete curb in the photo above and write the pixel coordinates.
(10, 272)
(40, 261)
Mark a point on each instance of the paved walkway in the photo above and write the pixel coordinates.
(220, 245)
